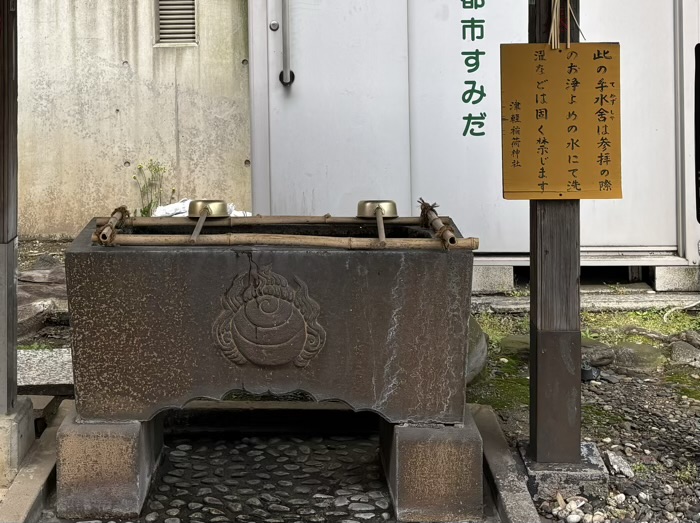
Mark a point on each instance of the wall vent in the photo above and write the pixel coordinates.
(176, 22)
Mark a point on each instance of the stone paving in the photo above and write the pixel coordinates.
(271, 479)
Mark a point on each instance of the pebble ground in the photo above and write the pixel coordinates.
(275, 479)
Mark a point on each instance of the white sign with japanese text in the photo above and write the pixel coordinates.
(455, 82)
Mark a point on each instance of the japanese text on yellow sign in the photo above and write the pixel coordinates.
(561, 122)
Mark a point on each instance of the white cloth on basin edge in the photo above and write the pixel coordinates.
(181, 208)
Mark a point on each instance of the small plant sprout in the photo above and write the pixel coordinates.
(150, 183)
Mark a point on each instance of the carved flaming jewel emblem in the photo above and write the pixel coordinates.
(268, 322)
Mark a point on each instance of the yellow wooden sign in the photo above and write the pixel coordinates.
(561, 122)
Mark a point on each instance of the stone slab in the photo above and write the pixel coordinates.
(32, 486)
(155, 327)
(105, 469)
(507, 479)
(16, 438)
(676, 279)
(44, 367)
(492, 279)
(588, 478)
(435, 473)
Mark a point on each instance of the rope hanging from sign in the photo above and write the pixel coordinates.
(555, 27)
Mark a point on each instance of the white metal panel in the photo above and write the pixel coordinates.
(689, 37)
(646, 216)
(463, 173)
(340, 133)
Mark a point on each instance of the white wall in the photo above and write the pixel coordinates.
(96, 98)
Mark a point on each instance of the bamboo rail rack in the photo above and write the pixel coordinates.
(289, 240)
(135, 222)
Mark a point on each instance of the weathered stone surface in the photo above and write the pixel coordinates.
(16, 438)
(434, 472)
(617, 464)
(53, 275)
(490, 279)
(478, 350)
(40, 302)
(588, 478)
(676, 279)
(104, 469)
(45, 261)
(692, 337)
(598, 356)
(685, 354)
(639, 356)
(349, 329)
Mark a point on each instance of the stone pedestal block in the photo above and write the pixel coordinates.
(16, 438)
(676, 279)
(588, 478)
(493, 279)
(435, 472)
(104, 469)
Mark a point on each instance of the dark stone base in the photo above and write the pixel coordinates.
(105, 469)
(588, 478)
(434, 472)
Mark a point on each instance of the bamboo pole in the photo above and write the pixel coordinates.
(441, 230)
(429, 218)
(108, 230)
(263, 220)
(287, 240)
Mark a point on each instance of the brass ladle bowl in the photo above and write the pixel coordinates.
(203, 209)
(379, 210)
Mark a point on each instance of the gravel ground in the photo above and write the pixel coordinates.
(649, 426)
(31, 250)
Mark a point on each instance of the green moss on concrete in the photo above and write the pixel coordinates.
(609, 327)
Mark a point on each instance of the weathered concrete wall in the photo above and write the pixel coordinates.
(96, 98)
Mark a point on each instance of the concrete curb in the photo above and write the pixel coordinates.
(507, 481)
(27, 495)
(590, 302)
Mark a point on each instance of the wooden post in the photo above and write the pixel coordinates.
(8, 206)
(555, 330)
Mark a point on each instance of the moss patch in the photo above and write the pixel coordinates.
(498, 326)
(688, 386)
(35, 346)
(501, 393)
(593, 416)
(604, 327)
(608, 327)
(505, 385)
